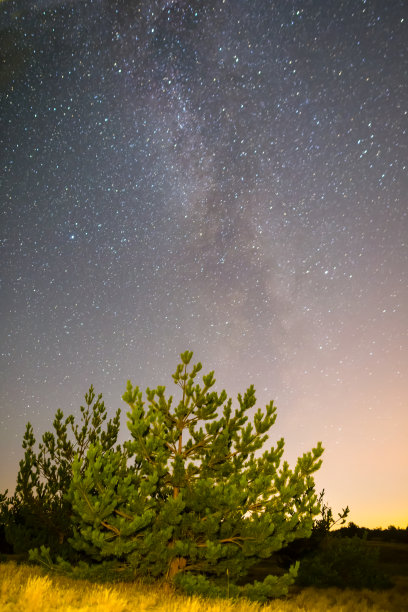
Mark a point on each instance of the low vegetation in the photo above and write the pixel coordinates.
(24, 587)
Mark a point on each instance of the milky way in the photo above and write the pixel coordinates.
(225, 176)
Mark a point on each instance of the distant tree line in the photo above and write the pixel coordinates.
(390, 534)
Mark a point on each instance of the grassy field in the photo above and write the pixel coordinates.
(25, 588)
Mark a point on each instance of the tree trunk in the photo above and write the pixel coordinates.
(177, 564)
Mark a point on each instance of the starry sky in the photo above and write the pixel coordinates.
(224, 176)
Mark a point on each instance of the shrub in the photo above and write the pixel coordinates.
(342, 562)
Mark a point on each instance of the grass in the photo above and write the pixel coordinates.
(25, 588)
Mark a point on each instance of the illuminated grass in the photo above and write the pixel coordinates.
(27, 589)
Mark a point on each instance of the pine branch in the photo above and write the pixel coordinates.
(111, 528)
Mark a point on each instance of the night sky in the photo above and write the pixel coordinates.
(223, 176)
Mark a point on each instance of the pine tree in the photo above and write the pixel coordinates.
(191, 498)
(39, 513)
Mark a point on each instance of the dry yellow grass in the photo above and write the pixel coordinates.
(26, 589)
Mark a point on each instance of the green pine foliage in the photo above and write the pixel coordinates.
(39, 512)
(193, 497)
(322, 525)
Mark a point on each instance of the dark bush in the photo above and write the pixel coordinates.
(345, 562)
(5, 547)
